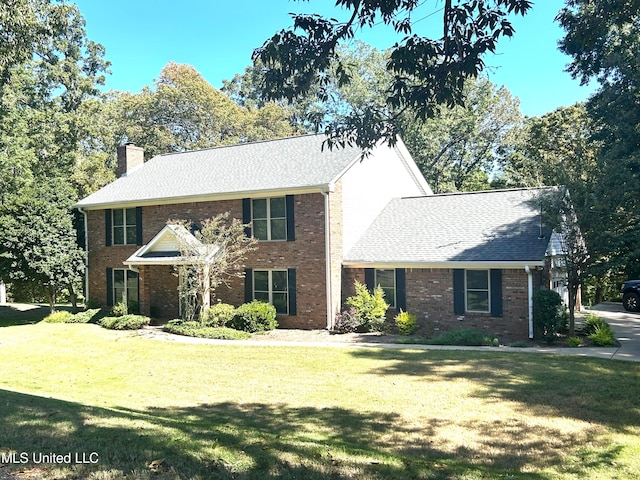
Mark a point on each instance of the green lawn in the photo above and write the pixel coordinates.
(164, 410)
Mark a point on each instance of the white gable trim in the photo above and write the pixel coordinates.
(165, 248)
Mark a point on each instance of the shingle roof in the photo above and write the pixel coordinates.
(290, 163)
(492, 226)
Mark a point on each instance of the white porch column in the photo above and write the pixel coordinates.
(3, 293)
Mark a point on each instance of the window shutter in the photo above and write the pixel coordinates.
(291, 226)
(248, 285)
(370, 278)
(246, 215)
(138, 225)
(291, 286)
(496, 292)
(109, 287)
(401, 289)
(107, 227)
(458, 291)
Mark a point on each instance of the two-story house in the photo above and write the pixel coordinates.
(307, 206)
(323, 218)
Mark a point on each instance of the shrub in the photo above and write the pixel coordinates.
(58, 317)
(88, 316)
(603, 336)
(347, 321)
(574, 342)
(254, 317)
(195, 329)
(464, 336)
(406, 323)
(119, 309)
(217, 315)
(125, 322)
(548, 314)
(370, 307)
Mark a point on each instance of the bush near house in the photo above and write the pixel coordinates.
(406, 323)
(371, 308)
(196, 329)
(254, 317)
(61, 316)
(347, 321)
(218, 315)
(548, 314)
(125, 322)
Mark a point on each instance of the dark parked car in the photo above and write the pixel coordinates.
(630, 293)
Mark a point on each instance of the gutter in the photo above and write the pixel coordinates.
(86, 251)
(327, 255)
(530, 284)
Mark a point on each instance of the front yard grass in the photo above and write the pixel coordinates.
(164, 410)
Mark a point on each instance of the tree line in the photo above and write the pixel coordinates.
(59, 131)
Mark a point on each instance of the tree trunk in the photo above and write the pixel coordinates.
(73, 296)
(51, 294)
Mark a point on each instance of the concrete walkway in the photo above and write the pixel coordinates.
(626, 327)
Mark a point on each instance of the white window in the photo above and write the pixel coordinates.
(477, 293)
(386, 279)
(271, 286)
(269, 218)
(125, 288)
(124, 226)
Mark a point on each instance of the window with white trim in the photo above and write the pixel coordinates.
(271, 286)
(477, 291)
(125, 288)
(124, 226)
(386, 280)
(269, 218)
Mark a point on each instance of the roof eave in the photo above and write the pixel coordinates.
(483, 264)
(213, 197)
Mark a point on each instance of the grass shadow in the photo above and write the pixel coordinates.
(264, 441)
(23, 314)
(589, 389)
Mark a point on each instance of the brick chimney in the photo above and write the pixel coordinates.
(130, 158)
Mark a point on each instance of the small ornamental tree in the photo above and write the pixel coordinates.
(211, 256)
(371, 308)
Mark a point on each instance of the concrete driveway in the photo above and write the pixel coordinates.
(626, 329)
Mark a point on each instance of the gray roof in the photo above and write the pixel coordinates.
(285, 164)
(471, 228)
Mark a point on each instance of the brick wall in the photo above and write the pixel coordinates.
(158, 287)
(430, 298)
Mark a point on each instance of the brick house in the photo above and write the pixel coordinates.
(323, 218)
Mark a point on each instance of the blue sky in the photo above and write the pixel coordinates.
(217, 38)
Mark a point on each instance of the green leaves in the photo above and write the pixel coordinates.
(426, 71)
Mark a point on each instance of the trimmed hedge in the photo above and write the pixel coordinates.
(254, 317)
(196, 329)
(218, 315)
(61, 316)
(125, 322)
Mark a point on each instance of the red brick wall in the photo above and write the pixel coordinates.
(158, 289)
(430, 298)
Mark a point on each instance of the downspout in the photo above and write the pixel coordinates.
(327, 255)
(86, 251)
(530, 282)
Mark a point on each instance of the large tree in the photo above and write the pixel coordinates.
(426, 71)
(39, 240)
(185, 112)
(603, 39)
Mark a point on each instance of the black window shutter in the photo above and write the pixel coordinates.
(496, 292)
(246, 215)
(138, 225)
(458, 291)
(291, 226)
(107, 227)
(291, 284)
(401, 289)
(248, 285)
(370, 278)
(109, 287)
